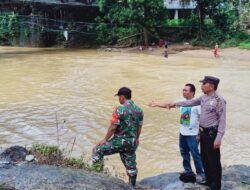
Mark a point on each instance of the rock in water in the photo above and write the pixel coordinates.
(14, 154)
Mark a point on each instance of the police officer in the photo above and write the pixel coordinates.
(123, 134)
(212, 128)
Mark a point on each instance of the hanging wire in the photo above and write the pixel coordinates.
(27, 22)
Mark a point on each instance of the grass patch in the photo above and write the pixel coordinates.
(241, 41)
(97, 167)
(45, 150)
(78, 163)
(230, 43)
(52, 155)
(47, 154)
(245, 44)
(75, 163)
(211, 37)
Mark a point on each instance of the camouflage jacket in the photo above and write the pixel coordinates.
(128, 117)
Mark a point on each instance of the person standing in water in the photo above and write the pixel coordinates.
(216, 50)
(161, 43)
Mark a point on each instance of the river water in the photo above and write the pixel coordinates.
(78, 87)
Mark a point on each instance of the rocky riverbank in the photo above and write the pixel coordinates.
(20, 171)
(235, 177)
(153, 50)
(33, 176)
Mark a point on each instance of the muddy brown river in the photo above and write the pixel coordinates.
(79, 86)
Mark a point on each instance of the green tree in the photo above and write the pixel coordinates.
(246, 12)
(206, 7)
(127, 17)
(9, 27)
(218, 19)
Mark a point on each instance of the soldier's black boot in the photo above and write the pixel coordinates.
(132, 180)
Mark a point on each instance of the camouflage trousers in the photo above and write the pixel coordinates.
(126, 149)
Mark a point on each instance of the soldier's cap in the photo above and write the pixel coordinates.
(124, 91)
(211, 80)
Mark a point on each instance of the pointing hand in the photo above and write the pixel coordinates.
(152, 104)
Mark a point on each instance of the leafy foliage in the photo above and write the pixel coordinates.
(74, 163)
(45, 150)
(9, 27)
(221, 23)
(97, 167)
(246, 12)
(127, 17)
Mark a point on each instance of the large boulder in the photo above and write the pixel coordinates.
(234, 178)
(16, 173)
(33, 176)
(12, 155)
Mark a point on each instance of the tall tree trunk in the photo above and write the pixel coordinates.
(145, 31)
(201, 10)
(201, 16)
(145, 37)
(200, 22)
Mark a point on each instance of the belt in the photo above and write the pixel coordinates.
(207, 129)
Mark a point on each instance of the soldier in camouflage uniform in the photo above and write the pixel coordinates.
(125, 129)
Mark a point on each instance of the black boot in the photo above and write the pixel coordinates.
(132, 180)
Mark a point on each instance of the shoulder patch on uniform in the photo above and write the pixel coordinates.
(115, 117)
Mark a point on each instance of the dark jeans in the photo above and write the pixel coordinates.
(188, 144)
(211, 159)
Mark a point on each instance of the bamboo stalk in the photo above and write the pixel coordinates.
(72, 147)
(57, 131)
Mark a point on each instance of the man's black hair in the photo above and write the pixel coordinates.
(192, 87)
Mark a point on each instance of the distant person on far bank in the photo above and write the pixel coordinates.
(166, 48)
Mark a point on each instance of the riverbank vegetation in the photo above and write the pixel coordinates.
(52, 155)
(132, 23)
(241, 42)
(245, 44)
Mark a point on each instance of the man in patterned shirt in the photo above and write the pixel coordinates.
(123, 134)
(189, 128)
